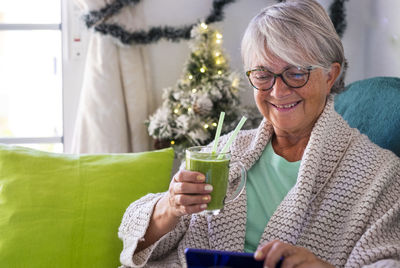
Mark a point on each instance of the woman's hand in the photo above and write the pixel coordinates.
(291, 256)
(188, 193)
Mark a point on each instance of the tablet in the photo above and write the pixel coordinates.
(202, 258)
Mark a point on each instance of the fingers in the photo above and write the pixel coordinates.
(287, 256)
(191, 188)
(272, 252)
(189, 176)
(263, 250)
(188, 193)
(189, 200)
(277, 251)
(190, 182)
(183, 210)
(188, 204)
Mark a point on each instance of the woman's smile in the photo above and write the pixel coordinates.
(292, 111)
(285, 107)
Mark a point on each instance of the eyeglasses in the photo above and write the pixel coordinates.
(294, 77)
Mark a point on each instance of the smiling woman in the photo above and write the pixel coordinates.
(291, 100)
(293, 111)
(299, 69)
(305, 166)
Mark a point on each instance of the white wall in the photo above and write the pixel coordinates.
(168, 59)
(73, 67)
(372, 38)
(371, 42)
(383, 39)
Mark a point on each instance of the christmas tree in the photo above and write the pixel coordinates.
(190, 110)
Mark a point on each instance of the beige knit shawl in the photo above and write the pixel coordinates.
(344, 207)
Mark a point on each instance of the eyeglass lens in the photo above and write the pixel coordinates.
(293, 77)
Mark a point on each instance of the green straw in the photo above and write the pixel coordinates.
(232, 137)
(218, 133)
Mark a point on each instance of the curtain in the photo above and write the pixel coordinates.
(116, 93)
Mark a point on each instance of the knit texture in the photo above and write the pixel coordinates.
(344, 207)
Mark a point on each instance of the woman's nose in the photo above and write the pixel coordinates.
(280, 89)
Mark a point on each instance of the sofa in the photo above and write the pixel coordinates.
(373, 107)
(60, 210)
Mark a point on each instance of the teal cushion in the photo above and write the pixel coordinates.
(59, 210)
(372, 106)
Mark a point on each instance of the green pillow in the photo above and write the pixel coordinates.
(60, 210)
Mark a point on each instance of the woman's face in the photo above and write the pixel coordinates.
(293, 111)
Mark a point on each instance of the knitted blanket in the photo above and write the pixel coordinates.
(344, 207)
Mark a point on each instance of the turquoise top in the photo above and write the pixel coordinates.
(268, 182)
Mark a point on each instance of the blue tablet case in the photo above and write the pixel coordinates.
(204, 258)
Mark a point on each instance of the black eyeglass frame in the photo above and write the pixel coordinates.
(309, 69)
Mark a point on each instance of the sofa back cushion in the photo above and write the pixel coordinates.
(372, 106)
(59, 210)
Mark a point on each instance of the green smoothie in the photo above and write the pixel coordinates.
(216, 172)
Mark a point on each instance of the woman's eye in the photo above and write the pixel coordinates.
(296, 75)
(262, 76)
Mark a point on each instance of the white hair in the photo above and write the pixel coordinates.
(299, 32)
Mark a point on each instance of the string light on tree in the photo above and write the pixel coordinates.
(219, 38)
(235, 82)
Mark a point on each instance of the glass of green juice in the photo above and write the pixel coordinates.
(215, 166)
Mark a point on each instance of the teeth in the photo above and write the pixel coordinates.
(286, 106)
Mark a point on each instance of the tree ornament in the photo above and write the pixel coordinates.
(202, 105)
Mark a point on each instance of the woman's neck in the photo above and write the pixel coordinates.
(290, 147)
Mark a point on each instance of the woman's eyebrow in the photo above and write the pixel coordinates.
(269, 69)
(261, 67)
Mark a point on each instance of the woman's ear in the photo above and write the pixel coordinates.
(333, 74)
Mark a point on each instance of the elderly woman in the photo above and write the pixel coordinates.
(318, 192)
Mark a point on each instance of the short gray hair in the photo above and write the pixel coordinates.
(299, 32)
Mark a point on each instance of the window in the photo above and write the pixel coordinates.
(30, 74)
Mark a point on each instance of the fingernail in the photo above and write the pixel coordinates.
(208, 187)
(205, 198)
(258, 255)
(200, 177)
(203, 206)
